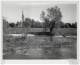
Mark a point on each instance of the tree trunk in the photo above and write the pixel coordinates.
(51, 37)
(52, 25)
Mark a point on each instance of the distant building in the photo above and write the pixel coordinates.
(22, 19)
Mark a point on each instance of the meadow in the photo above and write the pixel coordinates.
(40, 46)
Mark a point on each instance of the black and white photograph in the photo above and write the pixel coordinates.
(39, 30)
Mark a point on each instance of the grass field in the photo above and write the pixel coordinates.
(39, 47)
(58, 31)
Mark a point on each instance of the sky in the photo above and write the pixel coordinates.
(12, 10)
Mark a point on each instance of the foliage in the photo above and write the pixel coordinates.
(51, 16)
(12, 25)
(32, 23)
(5, 23)
(70, 25)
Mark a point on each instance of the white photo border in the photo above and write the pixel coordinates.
(56, 62)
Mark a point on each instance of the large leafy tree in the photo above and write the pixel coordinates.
(51, 16)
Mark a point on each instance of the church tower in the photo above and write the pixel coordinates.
(22, 19)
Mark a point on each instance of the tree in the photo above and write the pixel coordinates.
(27, 22)
(51, 16)
(71, 25)
(18, 24)
(5, 24)
(12, 25)
(68, 25)
(74, 25)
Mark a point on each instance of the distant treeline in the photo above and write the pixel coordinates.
(51, 17)
(36, 24)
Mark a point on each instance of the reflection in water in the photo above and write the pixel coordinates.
(46, 52)
(42, 47)
(35, 53)
(15, 35)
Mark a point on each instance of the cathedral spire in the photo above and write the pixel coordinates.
(22, 17)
